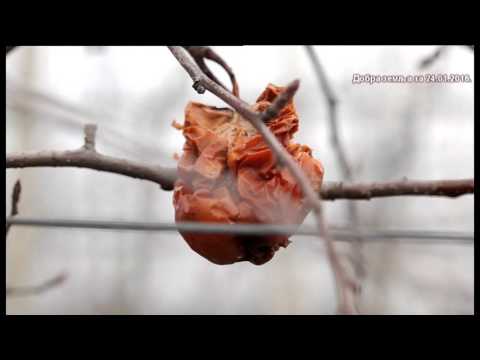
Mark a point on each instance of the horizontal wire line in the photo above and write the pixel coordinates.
(342, 234)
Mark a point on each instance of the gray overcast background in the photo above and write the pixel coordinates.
(421, 131)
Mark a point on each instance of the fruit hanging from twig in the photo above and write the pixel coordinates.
(228, 174)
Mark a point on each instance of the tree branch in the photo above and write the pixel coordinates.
(280, 102)
(356, 256)
(345, 286)
(88, 157)
(370, 190)
(165, 177)
(433, 57)
(332, 102)
(200, 53)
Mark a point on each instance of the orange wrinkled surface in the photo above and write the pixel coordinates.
(227, 174)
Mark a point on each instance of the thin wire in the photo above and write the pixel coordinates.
(342, 234)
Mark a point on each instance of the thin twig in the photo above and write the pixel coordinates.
(90, 131)
(433, 57)
(280, 102)
(356, 256)
(200, 53)
(437, 54)
(37, 289)
(332, 102)
(88, 157)
(16, 192)
(345, 287)
(27, 290)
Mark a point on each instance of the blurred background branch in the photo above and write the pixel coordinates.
(16, 192)
(47, 285)
(28, 290)
(356, 257)
(433, 57)
(436, 55)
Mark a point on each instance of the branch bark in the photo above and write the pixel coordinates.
(370, 190)
(88, 157)
(165, 177)
(200, 53)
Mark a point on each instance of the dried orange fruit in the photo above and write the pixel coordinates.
(228, 174)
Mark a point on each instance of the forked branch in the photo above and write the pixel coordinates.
(200, 53)
(345, 287)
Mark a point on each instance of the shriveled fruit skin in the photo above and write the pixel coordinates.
(227, 174)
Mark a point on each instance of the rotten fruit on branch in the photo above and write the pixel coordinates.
(228, 174)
